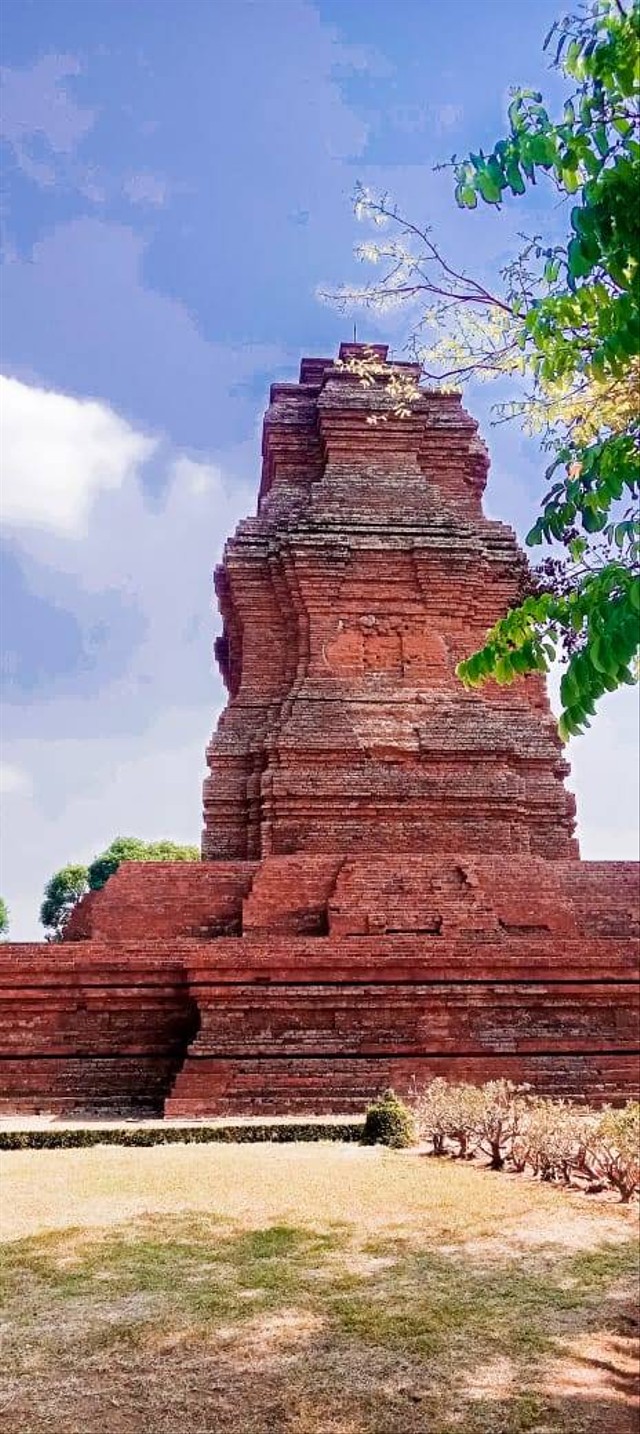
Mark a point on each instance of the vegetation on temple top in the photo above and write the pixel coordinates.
(564, 324)
(67, 886)
(133, 849)
(63, 890)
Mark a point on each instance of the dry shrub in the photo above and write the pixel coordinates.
(502, 1115)
(615, 1148)
(448, 1116)
(552, 1139)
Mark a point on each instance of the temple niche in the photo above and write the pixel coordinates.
(391, 886)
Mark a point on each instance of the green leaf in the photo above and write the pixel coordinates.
(523, 661)
(504, 671)
(569, 688)
(601, 656)
(466, 196)
(473, 668)
(514, 177)
(593, 522)
(571, 723)
(542, 150)
(488, 187)
(610, 682)
(536, 534)
(578, 263)
(601, 141)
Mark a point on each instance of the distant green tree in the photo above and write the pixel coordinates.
(66, 887)
(61, 894)
(133, 849)
(4, 917)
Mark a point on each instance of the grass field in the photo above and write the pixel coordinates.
(309, 1289)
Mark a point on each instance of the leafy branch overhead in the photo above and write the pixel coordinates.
(564, 324)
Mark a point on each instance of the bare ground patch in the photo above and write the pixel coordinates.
(309, 1291)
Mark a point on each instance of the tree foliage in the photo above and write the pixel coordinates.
(62, 892)
(565, 323)
(67, 886)
(4, 917)
(133, 849)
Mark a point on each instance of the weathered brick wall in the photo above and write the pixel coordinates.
(509, 964)
(147, 901)
(345, 973)
(94, 1029)
(348, 601)
(259, 1086)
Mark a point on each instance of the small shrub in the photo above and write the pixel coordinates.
(448, 1115)
(389, 1122)
(615, 1148)
(550, 1140)
(500, 1119)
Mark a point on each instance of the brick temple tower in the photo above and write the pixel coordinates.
(368, 573)
(390, 887)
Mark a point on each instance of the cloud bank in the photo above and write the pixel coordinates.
(58, 454)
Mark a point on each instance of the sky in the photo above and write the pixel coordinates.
(178, 181)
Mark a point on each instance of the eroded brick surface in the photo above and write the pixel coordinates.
(368, 573)
(391, 887)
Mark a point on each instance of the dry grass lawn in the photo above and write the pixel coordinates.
(311, 1290)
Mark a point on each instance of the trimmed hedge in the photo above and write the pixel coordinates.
(83, 1136)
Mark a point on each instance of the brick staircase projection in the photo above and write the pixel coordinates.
(391, 888)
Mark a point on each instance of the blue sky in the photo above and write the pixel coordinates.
(178, 177)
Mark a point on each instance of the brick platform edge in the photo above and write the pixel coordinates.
(466, 967)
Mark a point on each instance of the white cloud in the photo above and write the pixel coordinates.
(129, 756)
(196, 477)
(13, 780)
(58, 453)
(80, 305)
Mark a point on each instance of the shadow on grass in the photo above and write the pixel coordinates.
(310, 1332)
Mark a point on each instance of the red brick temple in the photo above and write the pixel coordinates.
(390, 887)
